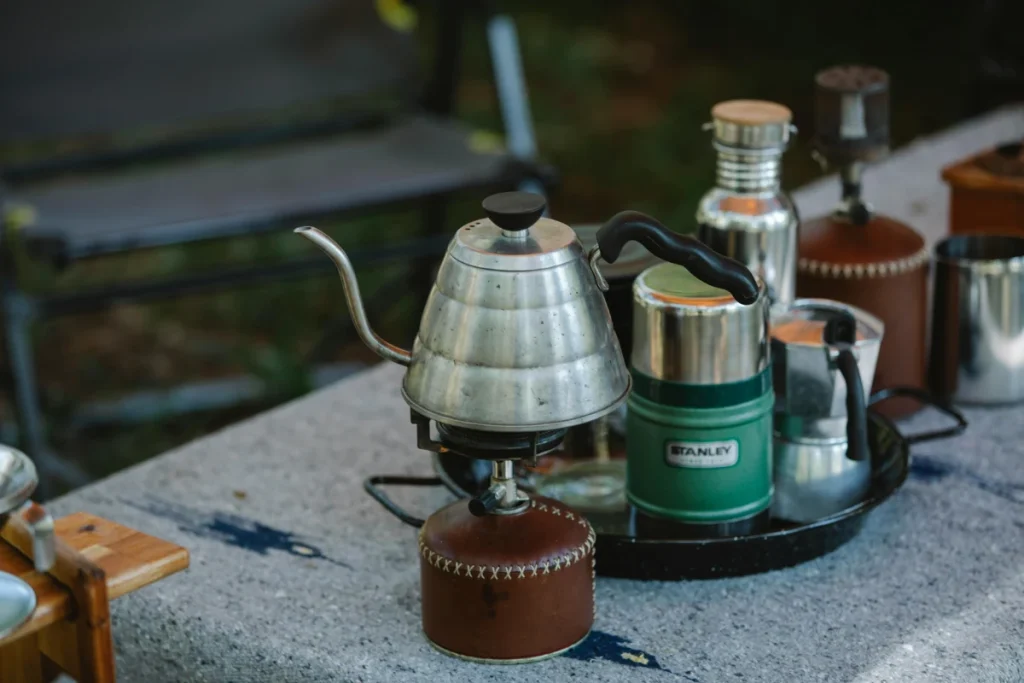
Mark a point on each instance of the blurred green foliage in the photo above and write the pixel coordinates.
(618, 92)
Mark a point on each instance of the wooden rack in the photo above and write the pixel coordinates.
(69, 632)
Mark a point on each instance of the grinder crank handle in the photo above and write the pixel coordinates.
(702, 261)
(34, 528)
(841, 333)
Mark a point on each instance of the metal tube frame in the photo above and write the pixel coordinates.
(21, 310)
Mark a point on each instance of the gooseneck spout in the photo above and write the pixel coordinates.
(382, 348)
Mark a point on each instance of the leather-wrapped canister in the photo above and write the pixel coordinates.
(858, 257)
(881, 267)
(507, 587)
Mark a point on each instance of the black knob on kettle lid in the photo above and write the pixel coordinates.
(514, 210)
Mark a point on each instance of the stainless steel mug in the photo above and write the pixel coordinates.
(977, 353)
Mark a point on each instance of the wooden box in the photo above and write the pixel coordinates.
(987, 192)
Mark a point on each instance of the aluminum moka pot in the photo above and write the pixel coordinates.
(516, 335)
(823, 360)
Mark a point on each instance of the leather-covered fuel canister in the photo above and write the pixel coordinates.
(855, 256)
(507, 587)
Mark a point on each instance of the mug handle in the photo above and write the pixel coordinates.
(372, 486)
(928, 400)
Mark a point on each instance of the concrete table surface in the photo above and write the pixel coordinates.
(298, 576)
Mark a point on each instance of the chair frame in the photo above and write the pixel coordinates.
(21, 309)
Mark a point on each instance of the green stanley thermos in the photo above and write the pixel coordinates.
(699, 418)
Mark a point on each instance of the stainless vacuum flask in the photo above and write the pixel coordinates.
(699, 422)
(746, 215)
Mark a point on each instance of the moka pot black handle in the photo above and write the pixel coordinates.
(841, 333)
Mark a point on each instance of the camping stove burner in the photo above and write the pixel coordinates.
(482, 444)
(485, 445)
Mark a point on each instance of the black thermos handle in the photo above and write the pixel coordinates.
(705, 264)
(841, 331)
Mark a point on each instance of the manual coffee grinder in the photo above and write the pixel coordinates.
(18, 479)
(855, 255)
(515, 346)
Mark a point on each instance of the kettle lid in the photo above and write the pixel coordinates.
(515, 236)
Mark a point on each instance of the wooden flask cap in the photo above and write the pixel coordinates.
(751, 112)
(751, 124)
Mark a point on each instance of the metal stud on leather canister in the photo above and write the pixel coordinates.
(699, 424)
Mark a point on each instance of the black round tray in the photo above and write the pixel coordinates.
(630, 555)
(624, 552)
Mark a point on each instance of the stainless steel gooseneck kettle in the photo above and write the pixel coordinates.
(515, 346)
(515, 335)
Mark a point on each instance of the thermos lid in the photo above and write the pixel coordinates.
(751, 124)
(851, 114)
(672, 284)
(685, 330)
